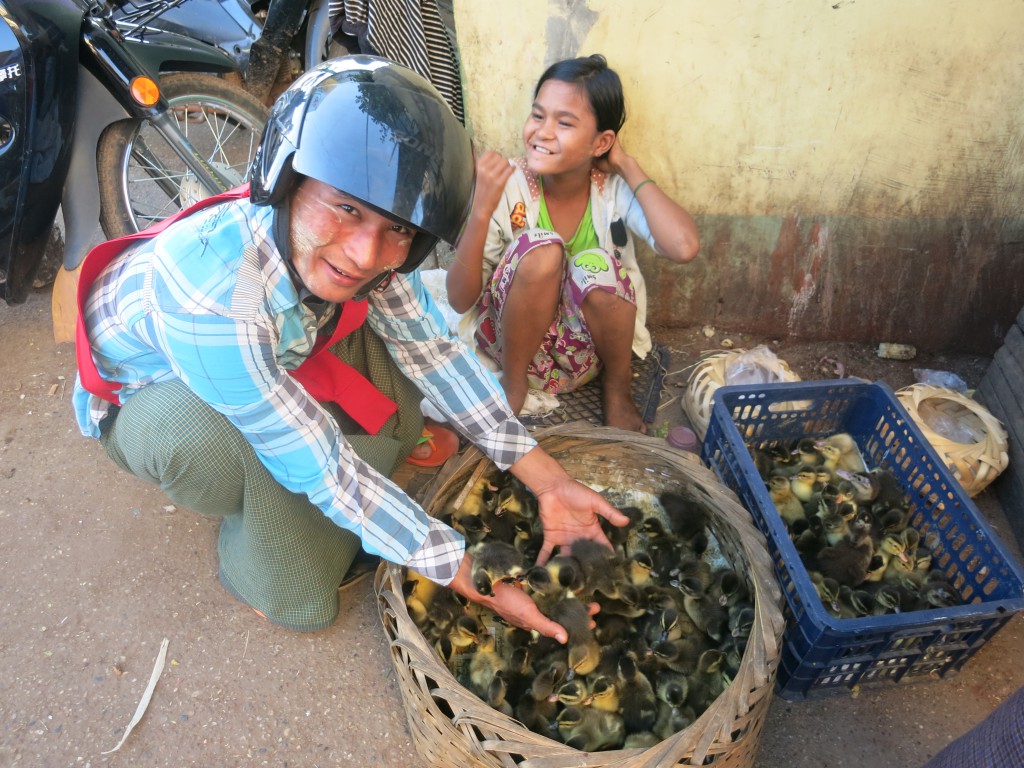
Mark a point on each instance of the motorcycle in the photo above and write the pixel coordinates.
(107, 129)
(230, 25)
(273, 41)
(270, 40)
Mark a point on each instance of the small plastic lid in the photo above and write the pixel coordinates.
(683, 438)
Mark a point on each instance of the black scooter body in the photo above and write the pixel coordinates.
(38, 62)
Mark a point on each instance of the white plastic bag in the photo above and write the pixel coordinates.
(755, 366)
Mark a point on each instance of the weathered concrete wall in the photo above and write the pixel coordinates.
(855, 167)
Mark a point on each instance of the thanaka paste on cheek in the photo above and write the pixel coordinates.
(303, 241)
(304, 238)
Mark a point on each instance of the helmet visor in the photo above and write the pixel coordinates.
(391, 142)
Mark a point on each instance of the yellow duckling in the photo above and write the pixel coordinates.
(584, 656)
(830, 456)
(574, 693)
(417, 610)
(789, 507)
(591, 730)
(901, 545)
(465, 632)
(638, 569)
(802, 483)
(902, 567)
(512, 502)
(604, 694)
(850, 457)
(474, 503)
(810, 455)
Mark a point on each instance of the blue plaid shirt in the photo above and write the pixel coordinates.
(211, 302)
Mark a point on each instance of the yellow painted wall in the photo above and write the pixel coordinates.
(905, 114)
(852, 107)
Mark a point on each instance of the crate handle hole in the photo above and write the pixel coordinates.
(791, 406)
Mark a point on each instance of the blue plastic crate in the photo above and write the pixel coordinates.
(823, 655)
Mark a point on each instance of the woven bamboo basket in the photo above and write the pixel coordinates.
(452, 728)
(709, 374)
(976, 461)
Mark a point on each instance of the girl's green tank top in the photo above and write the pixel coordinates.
(585, 236)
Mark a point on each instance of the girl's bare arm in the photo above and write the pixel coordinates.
(465, 274)
(675, 233)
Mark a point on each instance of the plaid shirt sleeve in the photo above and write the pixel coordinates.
(229, 365)
(450, 376)
(213, 306)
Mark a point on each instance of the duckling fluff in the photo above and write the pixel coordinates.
(852, 527)
(659, 651)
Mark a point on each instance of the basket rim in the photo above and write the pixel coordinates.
(717, 724)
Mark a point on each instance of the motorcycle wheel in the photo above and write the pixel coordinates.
(143, 181)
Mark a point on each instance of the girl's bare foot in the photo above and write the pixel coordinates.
(620, 411)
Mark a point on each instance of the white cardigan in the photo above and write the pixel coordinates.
(611, 199)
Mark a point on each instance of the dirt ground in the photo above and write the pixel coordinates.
(98, 568)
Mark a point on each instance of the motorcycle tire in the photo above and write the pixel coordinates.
(143, 181)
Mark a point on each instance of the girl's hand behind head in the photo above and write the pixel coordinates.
(613, 160)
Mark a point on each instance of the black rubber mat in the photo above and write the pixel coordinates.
(585, 404)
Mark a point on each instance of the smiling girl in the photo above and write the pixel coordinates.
(545, 270)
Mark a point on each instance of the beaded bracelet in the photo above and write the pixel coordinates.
(637, 187)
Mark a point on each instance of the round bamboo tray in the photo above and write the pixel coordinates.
(975, 462)
(709, 374)
(452, 728)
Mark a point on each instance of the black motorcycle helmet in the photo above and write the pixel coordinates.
(379, 132)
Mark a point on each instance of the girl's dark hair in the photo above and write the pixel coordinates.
(601, 84)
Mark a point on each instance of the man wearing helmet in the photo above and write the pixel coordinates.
(209, 348)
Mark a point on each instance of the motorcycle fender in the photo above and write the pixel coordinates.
(168, 52)
(81, 201)
(318, 31)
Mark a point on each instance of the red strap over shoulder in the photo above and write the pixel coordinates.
(329, 379)
(324, 376)
(95, 261)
